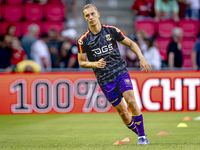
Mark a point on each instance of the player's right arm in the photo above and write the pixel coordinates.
(82, 60)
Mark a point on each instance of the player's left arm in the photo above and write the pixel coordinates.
(134, 47)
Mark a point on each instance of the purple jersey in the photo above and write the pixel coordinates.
(104, 45)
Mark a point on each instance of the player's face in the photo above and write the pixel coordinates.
(91, 15)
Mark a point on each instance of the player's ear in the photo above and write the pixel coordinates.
(85, 19)
(98, 14)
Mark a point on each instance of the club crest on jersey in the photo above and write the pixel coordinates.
(127, 81)
(108, 38)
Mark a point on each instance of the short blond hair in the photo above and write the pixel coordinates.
(89, 6)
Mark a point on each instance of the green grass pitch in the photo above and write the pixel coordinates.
(96, 132)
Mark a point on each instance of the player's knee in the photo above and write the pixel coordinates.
(132, 104)
(124, 114)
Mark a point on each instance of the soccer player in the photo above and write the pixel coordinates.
(98, 50)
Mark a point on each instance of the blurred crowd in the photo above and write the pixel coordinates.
(41, 53)
(38, 54)
(164, 10)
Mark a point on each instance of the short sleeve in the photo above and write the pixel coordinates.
(172, 47)
(119, 36)
(82, 46)
(135, 5)
(156, 62)
(157, 4)
(175, 7)
(42, 51)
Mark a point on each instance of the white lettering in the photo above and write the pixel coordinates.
(110, 47)
(146, 95)
(168, 94)
(97, 51)
(104, 49)
(192, 84)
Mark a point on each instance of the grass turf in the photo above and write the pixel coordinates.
(96, 132)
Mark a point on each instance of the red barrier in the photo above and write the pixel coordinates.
(78, 92)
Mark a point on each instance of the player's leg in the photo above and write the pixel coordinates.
(137, 115)
(125, 116)
(136, 112)
(126, 89)
(114, 97)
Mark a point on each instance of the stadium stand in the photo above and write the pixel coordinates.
(14, 1)
(52, 15)
(1, 7)
(57, 25)
(12, 12)
(187, 45)
(25, 24)
(187, 63)
(54, 12)
(55, 1)
(163, 43)
(22, 14)
(165, 28)
(190, 27)
(146, 25)
(33, 12)
(6, 24)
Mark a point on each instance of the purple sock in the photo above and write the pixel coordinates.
(139, 124)
(132, 126)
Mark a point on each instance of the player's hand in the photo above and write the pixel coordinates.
(145, 66)
(101, 63)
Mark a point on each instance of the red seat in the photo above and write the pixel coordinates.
(1, 26)
(54, 1)
(12, 12)
(165, 28)
(33, 12)
(187, 63)
(163, 44)
(190, 27)
(55, 12)
(1, 7)
(14, 1)
(187, 45)
(1, 1)
(5, 25)
(25, 24)
(146, 25)
(58, 26)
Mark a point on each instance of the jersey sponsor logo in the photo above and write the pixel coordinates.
(103, 50)
(108, 38)
(80, 42)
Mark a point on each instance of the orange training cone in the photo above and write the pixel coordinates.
(127, 140)
(118, 143)
(187, 118)
(162, 133)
